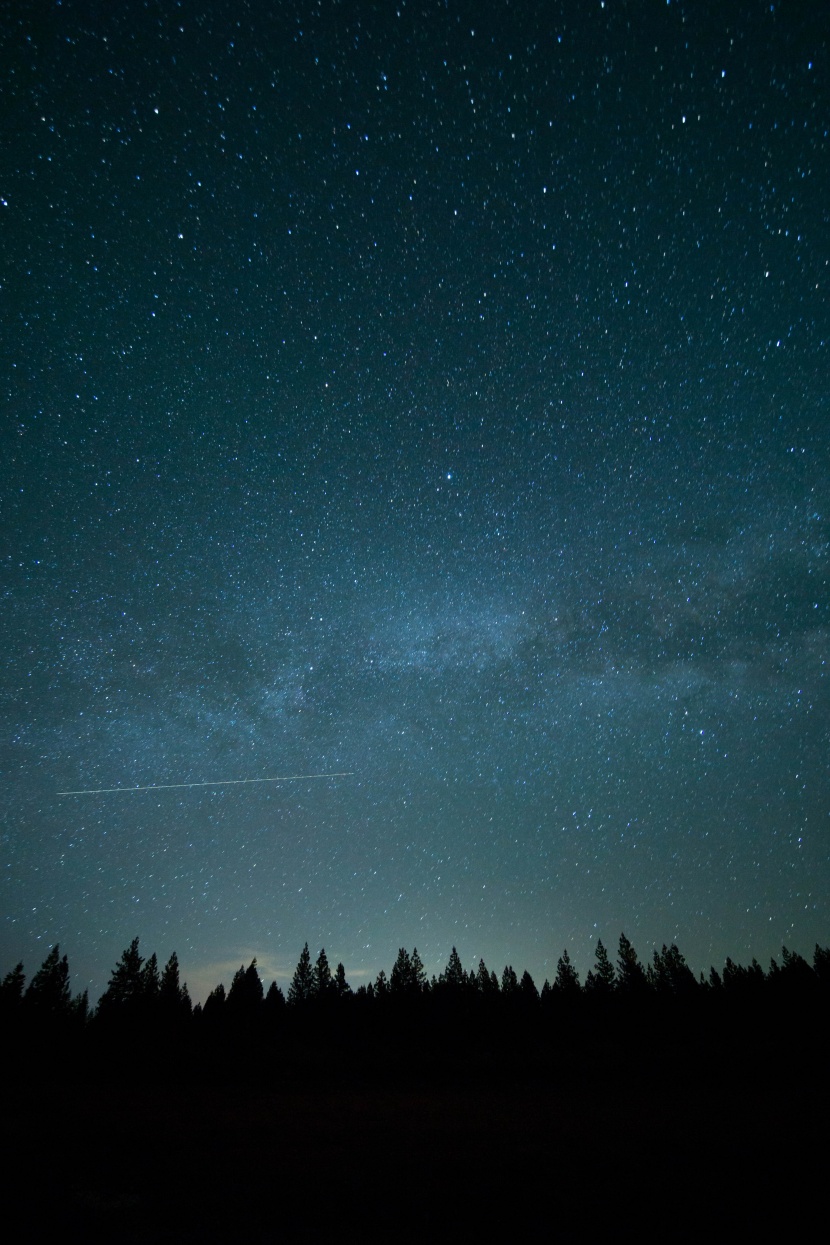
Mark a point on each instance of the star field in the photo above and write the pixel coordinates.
(435, 392)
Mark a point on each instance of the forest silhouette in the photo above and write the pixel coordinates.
(467, 1102)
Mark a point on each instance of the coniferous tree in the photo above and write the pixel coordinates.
(484, 981)
(632, 975)
(453, 977)
(792, 962)
(669, 973)
(79, 1008)
(341, 987)
(567, 978)
(150, 983)
(215, 1003)
(734, 976)
(419, 977)
(12, 985)
(174, 999)
(125, 990)
(274, 1000)
(509, 980)
(602, 979)
(381, 985)
(400, 979)
(821, 964)
(755, 977)
(246, 993)
(301, 989)
(322, 985)
(527, 988)
(49, 991)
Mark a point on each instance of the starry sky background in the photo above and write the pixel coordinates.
(435, 392)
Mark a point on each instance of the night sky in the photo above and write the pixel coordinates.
(434, 393)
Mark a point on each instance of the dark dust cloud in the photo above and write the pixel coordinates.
(435, 392)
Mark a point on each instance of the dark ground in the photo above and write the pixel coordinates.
(665, 1148)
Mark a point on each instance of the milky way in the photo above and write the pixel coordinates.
(435, 395)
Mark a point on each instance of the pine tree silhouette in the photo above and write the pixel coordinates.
(48, 991)
(341, 987)
(174, 999)
(632, 975)
(322, 985)
(125, 990)
(509, 980)
(246, 993)
(419, 977)
(453, 977)
(11, 988)
(274, 1000)
(602, 979)
(400, 979)
(567, 978)
(301, 989)
(150, 982)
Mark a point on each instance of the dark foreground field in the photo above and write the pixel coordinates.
(664, 1150)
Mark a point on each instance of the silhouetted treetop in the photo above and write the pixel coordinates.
(453, 977)
(246, 992)
(126, 984)
(601, 979)
(322, 984)
(301, 989)
(632, 978)
(567, 978)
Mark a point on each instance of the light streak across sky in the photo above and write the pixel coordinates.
(219, 782)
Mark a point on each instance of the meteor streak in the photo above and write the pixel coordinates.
(221, 782)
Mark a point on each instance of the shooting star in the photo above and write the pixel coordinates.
(221, 782)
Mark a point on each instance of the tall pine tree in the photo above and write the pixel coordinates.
(48, 991)
(301, 989)
(125, 991)
(322, 985)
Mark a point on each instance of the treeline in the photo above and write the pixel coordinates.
(141, 994)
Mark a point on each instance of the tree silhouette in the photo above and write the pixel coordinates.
(419, 977)
(322, 985)
(407, 978)
(301, 989)
(715, 982)
(601, 979)
(486, 982)
(669, 973)
(150, 982)
(246, 993)
(79, 1008)
(214, 1003)
(125, 991)
(632, 975)
(821, 964)
(48, 991)
(11, 988)
(509, 980)
(453, 977)
(174, 999)
(527, 988)
(274, 1004)
(400, 979)
(566, 982)
(341, 987)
